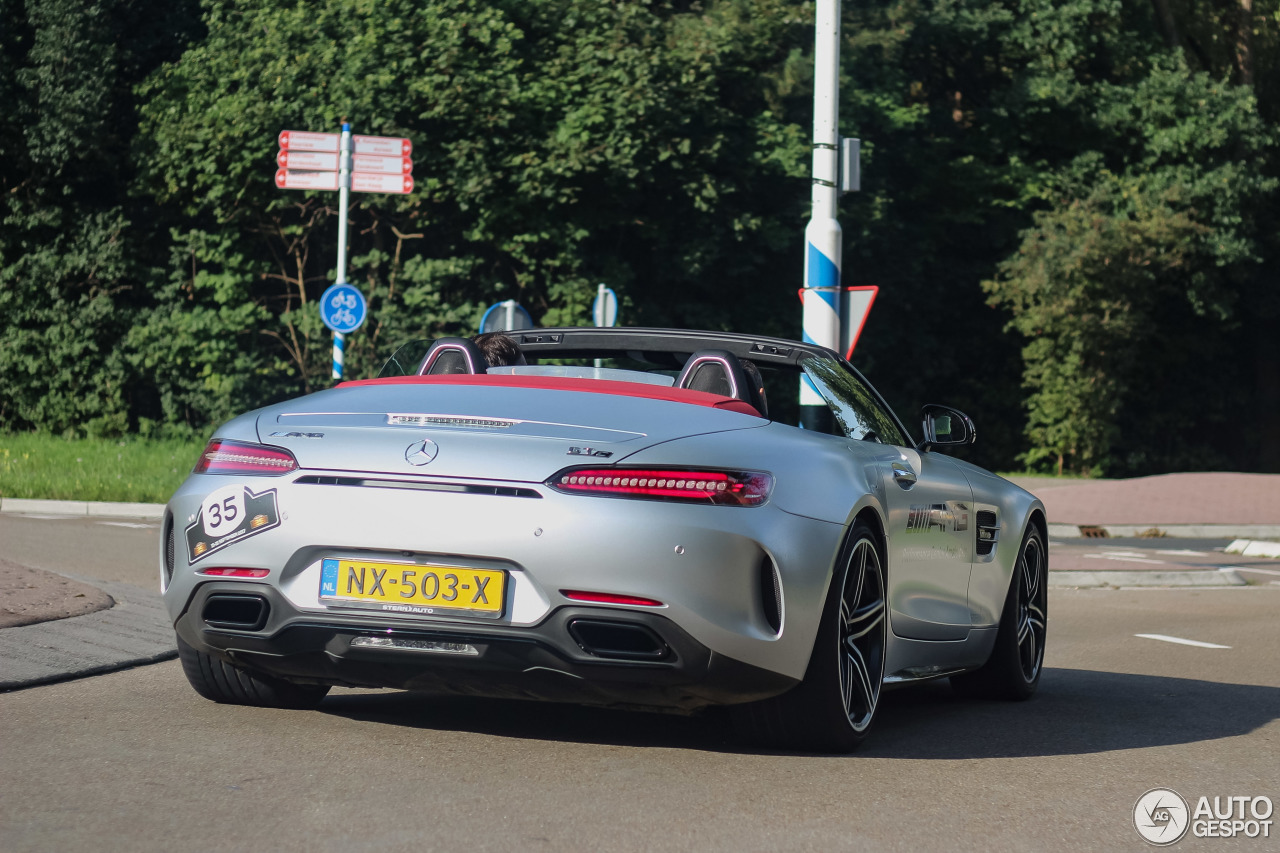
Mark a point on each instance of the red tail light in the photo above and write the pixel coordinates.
(721, 488)
(609, 598)
(230, 572)
(238, 457)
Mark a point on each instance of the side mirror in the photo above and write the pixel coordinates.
(946, 427)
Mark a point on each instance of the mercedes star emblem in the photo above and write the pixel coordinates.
(421, 452)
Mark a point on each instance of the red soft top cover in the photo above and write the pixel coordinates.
(562, 383)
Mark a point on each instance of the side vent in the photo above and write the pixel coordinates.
(771, 594)
(168, 549)
(988, 532)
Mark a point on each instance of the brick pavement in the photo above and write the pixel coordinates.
(1199, 498)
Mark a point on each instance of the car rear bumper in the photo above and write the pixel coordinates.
(590, 655)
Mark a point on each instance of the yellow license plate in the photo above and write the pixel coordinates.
(414, 588)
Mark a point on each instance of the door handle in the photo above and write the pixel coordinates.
(904, 475)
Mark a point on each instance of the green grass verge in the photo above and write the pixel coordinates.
(34, 465)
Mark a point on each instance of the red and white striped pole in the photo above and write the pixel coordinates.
(823, 235)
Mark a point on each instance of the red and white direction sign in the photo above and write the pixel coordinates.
(289, 179)
(313, 161)
(381, 146)
(301, 140)
(372, 182)
(383, 165)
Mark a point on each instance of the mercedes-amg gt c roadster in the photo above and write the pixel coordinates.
(615, 520)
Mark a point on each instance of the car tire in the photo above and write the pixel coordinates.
(833, 708)
(1013, 670)
(219, 681)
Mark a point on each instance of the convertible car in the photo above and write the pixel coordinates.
(615, 519)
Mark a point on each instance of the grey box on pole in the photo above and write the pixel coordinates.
(850, 165)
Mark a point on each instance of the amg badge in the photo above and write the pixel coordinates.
(590, 451)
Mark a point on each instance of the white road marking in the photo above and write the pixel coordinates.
(1124, 558)
(1251, 569)
(1181, 641)
(128, 524)
(45, 517)
(1185, 553)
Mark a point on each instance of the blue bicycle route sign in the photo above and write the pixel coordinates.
(343, 308)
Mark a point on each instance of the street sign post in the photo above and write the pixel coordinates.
(343, 308)
(508, 316)
(315, 161)
(346, 163)
(855, 306)
(604, 311)
(300, 140)
(371, 182)
(382, 165)
(377, 146)
(382, 146)
(311, 161)
(289, 179)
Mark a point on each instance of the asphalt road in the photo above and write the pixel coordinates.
(136, 761)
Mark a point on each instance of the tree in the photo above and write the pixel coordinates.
(557, 144)
(71, 275)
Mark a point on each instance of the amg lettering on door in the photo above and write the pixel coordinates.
(949, 517)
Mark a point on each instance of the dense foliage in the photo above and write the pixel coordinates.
(1069, 205)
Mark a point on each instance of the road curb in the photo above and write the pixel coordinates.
(1171, 531)
(135, 631)
(1115, 580)
(1252, 548)
(96, 509)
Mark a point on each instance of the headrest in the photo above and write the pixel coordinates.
(720, 372)
(453, 355)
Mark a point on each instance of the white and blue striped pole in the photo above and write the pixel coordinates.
(344, 193)
(822, 235)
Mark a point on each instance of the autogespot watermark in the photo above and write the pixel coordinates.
(1163, 817)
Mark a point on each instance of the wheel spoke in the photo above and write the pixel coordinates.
(1036, 614)
(860, 679)
(865, 620)
(1033, 577)
(858, 566)
(1030, 656)
(848, 675)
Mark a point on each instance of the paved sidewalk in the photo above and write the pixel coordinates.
(1196, 506)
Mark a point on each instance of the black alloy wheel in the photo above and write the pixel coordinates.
(1017, 658)
(862, 631)
(1032, 607)
(834, 707)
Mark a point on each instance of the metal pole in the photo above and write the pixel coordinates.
(344, 193)
(599, 314)
(823, 235)
(510, 305)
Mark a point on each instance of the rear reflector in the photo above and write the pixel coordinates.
(609, 598)
(238, 457)
(228, 572)
(722, 488)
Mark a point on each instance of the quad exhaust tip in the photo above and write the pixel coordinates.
(618, 640)
(236, 612)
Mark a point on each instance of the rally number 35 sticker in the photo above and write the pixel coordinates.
(229, 515)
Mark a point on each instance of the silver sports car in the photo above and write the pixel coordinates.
(609, 517)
